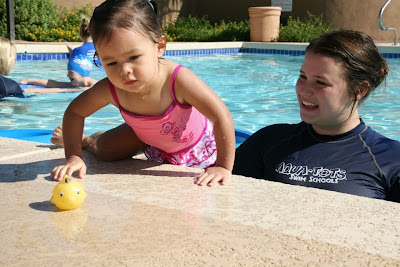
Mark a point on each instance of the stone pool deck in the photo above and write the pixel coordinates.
(140, 213)
(25, 47)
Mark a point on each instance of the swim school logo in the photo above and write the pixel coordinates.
(312, 175)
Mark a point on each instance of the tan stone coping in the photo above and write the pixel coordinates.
(41, 47)
(139, 213)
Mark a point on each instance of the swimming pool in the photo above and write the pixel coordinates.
(259, 90)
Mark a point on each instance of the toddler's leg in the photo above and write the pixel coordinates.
(115, 144)
(57, 139)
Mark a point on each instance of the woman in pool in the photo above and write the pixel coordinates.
(8, 87)
(80, 64)
(171, 114)
(331, 148)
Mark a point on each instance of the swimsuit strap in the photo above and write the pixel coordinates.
(172, 88)
(172, 85)
(114, 94)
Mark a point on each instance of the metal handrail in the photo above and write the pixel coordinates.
(396, 37)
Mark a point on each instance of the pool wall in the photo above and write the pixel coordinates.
(59, 51)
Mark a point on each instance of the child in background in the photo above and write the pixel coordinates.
(171, 114)
(80, 63)
(9, 87)
(87, 48)
(8, 53)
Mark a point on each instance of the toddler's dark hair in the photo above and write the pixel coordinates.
(134, 15)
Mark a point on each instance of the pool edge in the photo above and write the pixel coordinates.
(388, 50)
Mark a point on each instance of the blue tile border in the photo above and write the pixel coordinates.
(194, 52)
(272, 51)
(202, 52)
(390, 55)
(45, 56)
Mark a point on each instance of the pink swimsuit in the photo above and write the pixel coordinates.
(182, 136)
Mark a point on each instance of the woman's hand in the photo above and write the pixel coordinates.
(213, 175)
(73, 164)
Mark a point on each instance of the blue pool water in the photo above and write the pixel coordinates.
(259, 90)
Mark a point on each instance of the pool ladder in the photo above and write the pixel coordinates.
(396, 37)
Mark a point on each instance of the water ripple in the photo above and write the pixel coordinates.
(258, 89)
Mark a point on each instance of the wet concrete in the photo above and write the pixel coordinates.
(140, 213)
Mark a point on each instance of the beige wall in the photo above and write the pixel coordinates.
(169, 10)
(77, 3)
(359, 15)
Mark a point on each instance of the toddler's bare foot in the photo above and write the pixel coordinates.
(58, 138)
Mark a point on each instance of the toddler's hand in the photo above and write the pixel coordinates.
(213, 175)
(73, 164)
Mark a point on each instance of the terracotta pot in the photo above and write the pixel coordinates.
(264, 23)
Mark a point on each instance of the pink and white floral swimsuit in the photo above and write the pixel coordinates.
(182, 136)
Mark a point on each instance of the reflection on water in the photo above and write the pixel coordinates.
(258, 89)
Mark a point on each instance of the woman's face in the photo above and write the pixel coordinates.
(324, 99)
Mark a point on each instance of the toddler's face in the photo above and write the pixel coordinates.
(130, 59)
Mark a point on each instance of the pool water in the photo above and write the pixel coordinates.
(258, 89)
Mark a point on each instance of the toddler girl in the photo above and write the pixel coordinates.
(171, 114)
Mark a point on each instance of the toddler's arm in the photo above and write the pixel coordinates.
(72, 137)
(224, 133)
(81, 107)
(190, 89)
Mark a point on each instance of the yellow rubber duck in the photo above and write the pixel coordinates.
(68, 194)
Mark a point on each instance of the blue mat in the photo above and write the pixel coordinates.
(43, 136)
(36, 135)
(30, 86)
(241, 136)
